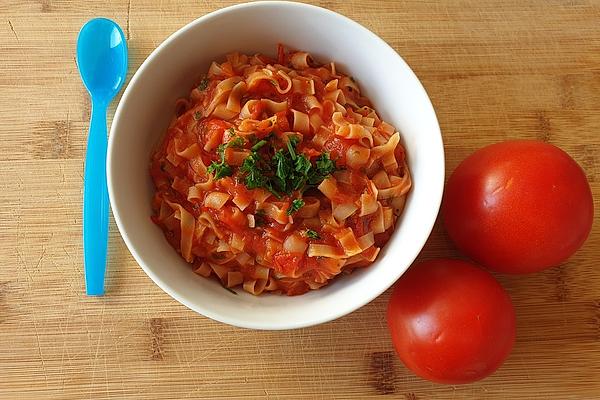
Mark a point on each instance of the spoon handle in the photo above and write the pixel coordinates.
(95, 203)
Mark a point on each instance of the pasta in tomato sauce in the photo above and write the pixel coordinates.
(277, 175)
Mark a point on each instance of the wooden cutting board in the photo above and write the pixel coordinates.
(494, 70)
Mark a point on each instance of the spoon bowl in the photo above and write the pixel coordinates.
(102, 63)
(102, 58)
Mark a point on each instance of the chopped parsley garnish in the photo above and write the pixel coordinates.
(312, 234)
(292, 142)
(280, 171)
(230, 290)
(203, 84)
(283, 171)
(258, 145)
(222, 169)
(302, 165)
(325, 167)
(295, 206)
(252, 168)
(236, 141)
(286, 170)
(197, 116)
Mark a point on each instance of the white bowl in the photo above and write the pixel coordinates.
(148, 105)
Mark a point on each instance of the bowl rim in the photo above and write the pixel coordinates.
(206, 311)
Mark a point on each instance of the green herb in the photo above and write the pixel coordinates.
(302, 168)
(203, 84)
(254, 177)
(197, 116)
(220, 170)
(291, 144)
(258, 174)
(286, 170)
(230, 290)
(302, 165)
(258, 145)
(237, 141)
(325, 167)
(221, 151)
(283, 170)
(295, 206)
(312, 234)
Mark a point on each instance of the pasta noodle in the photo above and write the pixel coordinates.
(276, 175)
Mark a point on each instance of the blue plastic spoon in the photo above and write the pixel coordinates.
(102, 63)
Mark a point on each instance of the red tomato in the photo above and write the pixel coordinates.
(286, 263)
(337, 147)
(518, 206)
(450, 321)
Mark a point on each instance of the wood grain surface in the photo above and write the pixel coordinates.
(494, 70)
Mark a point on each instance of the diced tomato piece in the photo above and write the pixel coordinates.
(283, 125)
(287, 263)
